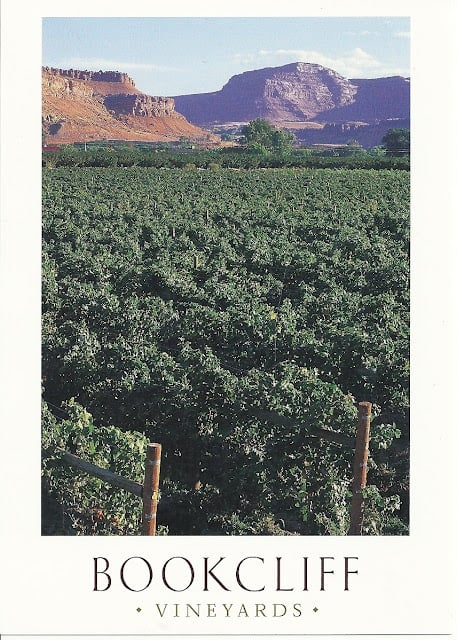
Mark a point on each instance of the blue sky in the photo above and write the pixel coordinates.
(173, 56)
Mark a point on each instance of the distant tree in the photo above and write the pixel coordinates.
(397, 142)
(261, 135)
(282, 141)
(258, 132)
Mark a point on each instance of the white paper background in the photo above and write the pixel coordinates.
(405, 586)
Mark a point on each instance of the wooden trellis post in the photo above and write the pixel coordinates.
(360, 468)
(150, 492)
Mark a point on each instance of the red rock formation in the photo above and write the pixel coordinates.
(140, 105)
(79, 106)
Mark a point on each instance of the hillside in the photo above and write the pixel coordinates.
(374, 100)
(294, 92)
(318, 104)
(82, 106)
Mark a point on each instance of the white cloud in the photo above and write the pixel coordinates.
(102, 64)
(402, 34)
(353, 64)
(361, 33)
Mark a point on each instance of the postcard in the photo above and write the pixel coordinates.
(227, 275)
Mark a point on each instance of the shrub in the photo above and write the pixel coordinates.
(89, 505)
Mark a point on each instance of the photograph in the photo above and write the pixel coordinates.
(225, 275)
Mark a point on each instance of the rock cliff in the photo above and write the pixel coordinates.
(375, 99)
(91, 76)
(140, 105)
(320, 105)
(298, 92)
(79, 106)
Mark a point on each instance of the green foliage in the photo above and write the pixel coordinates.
(397, 142)
(260, 135)
(258, 132)
(298, 305)
(236, 158)
(90, 506)
(377, 151)
(379, 514)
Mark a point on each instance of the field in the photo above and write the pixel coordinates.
(179, 303)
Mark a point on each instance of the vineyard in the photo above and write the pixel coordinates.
(182, 306)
